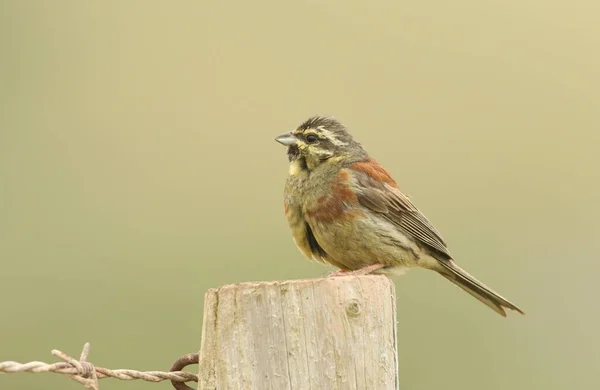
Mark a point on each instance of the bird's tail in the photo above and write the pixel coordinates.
(462, 279)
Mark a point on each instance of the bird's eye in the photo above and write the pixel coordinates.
(311, 138)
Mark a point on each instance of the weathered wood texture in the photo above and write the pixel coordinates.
(332, 333)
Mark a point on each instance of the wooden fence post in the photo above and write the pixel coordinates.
(331, 333)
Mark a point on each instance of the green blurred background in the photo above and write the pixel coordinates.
(138, 169)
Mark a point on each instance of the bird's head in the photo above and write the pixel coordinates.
(320, 140)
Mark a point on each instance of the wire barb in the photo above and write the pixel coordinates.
(88, 375)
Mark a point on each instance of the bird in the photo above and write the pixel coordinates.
(345, 210)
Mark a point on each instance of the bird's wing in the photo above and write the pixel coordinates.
(383, 197)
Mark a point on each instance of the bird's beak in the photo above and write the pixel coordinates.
(286, 139)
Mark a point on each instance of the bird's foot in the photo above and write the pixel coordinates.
(339, 272)
(359, 272)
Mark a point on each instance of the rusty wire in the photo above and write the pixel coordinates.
(88, 375)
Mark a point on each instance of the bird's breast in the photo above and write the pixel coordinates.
(337, 204)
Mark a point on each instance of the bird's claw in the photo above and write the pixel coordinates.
(359, 272)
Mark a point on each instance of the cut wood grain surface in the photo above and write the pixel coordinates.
(330, 333)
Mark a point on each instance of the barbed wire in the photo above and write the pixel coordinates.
(88, 375)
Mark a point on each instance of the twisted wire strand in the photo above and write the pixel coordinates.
(88, 375)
